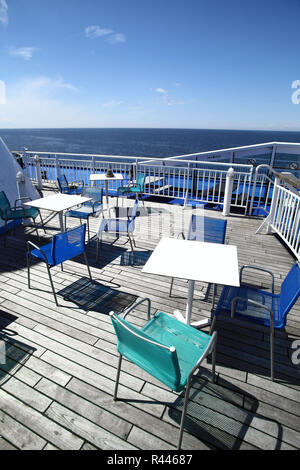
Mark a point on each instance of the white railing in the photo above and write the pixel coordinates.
(252, 188)
(195, 181)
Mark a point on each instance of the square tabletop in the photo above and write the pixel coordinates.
(193, 260)
(103, 177)
(58, 202)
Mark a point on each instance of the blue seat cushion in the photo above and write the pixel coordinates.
(189, 342)
(247, 311)
(84, 211)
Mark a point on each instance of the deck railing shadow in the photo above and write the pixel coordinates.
(13, 353)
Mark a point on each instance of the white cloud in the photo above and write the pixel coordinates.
(96, 31)
(112, 104)
(118, 37)
(24, 52)
(165, 99)
(3, 12)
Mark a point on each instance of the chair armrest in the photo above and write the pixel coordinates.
(22, 199)
(182, 234)
(209, 348)
(136, 304)
(29, 243)
(251, 302)
(258, 268)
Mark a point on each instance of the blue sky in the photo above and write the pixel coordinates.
(228, 64)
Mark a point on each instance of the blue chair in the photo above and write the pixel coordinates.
(166, 348)
(8, 213)
(88, 209)
(119, 227)
(63, 247)
(204, 229)
(136, 187)
(259, 306)
(69, 188)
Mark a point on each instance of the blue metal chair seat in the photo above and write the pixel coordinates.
(63, 247)
(119, 227)
(259, 306)
(166, 348)
(69, 188)
(88, 209)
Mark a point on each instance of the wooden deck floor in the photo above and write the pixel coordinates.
(57, 382)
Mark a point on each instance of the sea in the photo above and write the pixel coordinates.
(154, 143)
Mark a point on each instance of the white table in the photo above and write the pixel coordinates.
(102, 177)
(58, 203)
(196, 261)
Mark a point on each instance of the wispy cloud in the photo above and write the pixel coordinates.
(45, 85)
(161, 90)
(23, 52)
(112, 104)
(3, 12)
(165, 98)
(95, 31)
(118, 37)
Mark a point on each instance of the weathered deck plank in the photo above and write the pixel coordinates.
(56, 386)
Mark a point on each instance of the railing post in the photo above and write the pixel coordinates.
(270, 217)
(228, 191)
(36, 159)
(57, 166)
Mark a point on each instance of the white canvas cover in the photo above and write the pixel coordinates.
(9, 168)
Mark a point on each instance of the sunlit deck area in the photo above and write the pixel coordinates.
(57, 382)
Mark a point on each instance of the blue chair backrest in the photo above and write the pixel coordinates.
(4, 204)
(158, 361)
(290, 290)
(67, 245)
(62, 183)
(95, 193)
(207, 229)
(140, 181)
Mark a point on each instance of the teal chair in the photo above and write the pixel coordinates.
(8, 213)
(136, 187)
(166, 348)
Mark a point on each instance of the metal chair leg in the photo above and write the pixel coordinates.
(117, 378)
(87, 265)
(52, 285)
(171, 286)
(28, 271)
(187, 392)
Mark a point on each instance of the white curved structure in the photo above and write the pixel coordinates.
(9, 168)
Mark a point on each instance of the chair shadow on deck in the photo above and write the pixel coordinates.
(91, 295)
(248, 350)
(13, 353)
(220, 415)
